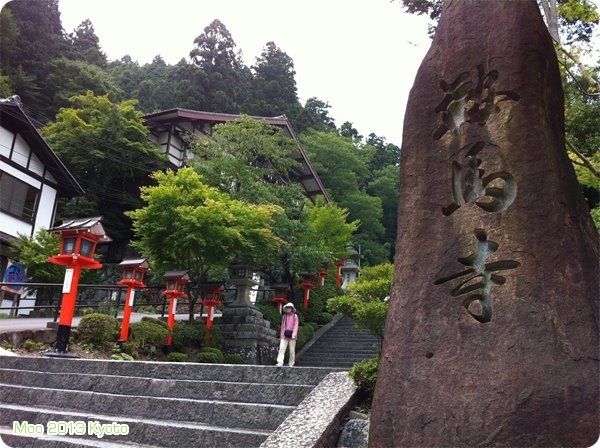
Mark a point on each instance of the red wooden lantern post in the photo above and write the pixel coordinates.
(78, 240)
(338, 273)
(211, 297)
(307, 283)
(281, 294)
(324, 272)
(132, 277)
(175, 282)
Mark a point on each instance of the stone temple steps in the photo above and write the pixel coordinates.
(340, 346)
(163, 404)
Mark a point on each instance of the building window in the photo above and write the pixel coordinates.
(17, 198)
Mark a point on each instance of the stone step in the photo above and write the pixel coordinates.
(281, 393)
(342, 365)
(144, 432)
(345, 348)
(327, 360)
(341, 355)
(259, 374)
(206, 412)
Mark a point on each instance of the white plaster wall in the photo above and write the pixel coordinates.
(14, 226)
(36, 166)
(44, 217)
(21, 152)
(6, 138)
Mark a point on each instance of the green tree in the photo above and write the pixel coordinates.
(314, 115)
(69, 78)
(27, 57)
(187, 224)
(250, 160)
(106, 147)
(384, 185)
(86, 45)
(367, 300)
(323, 234)
(274, 91)
(343, 167)
(223, 77)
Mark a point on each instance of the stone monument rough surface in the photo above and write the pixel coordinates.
(492, 333)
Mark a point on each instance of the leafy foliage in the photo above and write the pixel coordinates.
(98, 329)
(187, 223)
(106, 147)
(148, 336)
(211, 355)
(364, 374)
(367, 301)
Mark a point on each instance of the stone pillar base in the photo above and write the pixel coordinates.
(248, 334)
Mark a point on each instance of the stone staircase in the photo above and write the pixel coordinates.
(157, 404)
(340, 346)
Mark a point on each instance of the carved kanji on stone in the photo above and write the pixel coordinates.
(480, 276)
(498, 190)
(470, 102)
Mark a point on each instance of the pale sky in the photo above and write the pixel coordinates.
(359, 56)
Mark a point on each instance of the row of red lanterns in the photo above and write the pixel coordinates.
(307, 282)
(78, 244)
(77, 248)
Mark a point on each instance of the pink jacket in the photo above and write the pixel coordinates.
(289, 322)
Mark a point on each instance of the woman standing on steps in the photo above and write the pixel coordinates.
(288, 334)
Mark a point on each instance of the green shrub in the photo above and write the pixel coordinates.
(148, 335)
(324, 318)
(186, 335)
(211, 355)
(32, 346)
(121, 357)
(177, 357)
(155, 320)
(305, 333)
(6, 345)
(313, 325)
(130, 348)
(234, 358)
(364, 374)
(270, 312)
(98, 329)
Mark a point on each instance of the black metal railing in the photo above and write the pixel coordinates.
(47, 298)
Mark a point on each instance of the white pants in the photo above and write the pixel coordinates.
(283, 344)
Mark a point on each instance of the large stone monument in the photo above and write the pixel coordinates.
(492, 334)
(246, 332)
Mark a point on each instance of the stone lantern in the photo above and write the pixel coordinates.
(245, 330)
(133, 277)
(351, 268)
(78, 240)
(242, 277)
